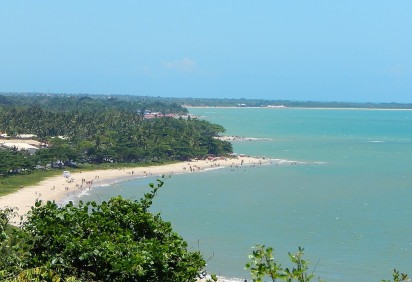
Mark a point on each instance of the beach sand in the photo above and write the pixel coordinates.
(59, 187)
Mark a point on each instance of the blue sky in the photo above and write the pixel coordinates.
(359, 51)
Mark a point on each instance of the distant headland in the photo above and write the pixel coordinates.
(191, 102)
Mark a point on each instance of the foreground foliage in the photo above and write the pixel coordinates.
(398, 277)
(262, 264)
(118, 240)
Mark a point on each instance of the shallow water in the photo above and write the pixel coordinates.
(347, 200)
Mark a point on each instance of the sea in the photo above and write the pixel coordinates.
(343, 193)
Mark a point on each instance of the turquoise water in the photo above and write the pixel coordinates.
(348, 201)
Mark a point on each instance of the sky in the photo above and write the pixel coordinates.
(308, 50)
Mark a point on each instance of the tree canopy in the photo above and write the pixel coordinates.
(97, 131)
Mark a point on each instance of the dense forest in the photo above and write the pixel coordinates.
(172, 104)
(67, 102)
(226, 102)
(83, 129)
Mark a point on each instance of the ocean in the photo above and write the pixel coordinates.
(346, 195)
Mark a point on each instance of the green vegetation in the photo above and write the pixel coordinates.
(225, 102)
(108, 136)
(173, 105)
(101, 131)
(118, 240)
(262, 264)
(11, 183)
(66, 102)
(398, 277)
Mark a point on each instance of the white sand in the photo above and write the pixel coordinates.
(220, 279)
(240, 138)
(58, 187)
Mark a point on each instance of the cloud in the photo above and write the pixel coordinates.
(396, 70)
(185, 65)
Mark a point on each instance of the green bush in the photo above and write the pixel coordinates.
(118, 240)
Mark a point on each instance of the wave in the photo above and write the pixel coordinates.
(225, 279)
(214, 168)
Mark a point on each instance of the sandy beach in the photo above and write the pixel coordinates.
(240, 138)
(58, 187)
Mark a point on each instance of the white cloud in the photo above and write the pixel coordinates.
(396, 70)
(185, 64)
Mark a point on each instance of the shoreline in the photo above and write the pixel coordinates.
(58, 188)
(240, 138)
(300, 108)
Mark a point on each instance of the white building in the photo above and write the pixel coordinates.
(26, 136)
(20, 146)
